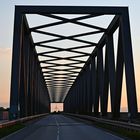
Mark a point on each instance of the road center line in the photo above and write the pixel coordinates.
(58, 130)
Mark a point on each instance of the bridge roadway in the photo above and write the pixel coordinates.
(59, 127)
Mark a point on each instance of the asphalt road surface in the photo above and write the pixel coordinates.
(59, 127)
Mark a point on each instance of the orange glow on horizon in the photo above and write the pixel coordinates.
(5, 76)
(56, 107)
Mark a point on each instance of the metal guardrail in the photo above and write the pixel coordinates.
(21, 120)
(114, 123)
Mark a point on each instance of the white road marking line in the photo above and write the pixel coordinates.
(58, 130)
(57, 133)
(114, 136)
(14, 133)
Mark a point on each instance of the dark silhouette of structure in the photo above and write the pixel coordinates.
(83, 89)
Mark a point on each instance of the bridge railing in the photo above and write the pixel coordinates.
(21, 120)
(119, 124)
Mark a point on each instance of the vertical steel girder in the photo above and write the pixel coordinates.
(103, 75)
(29, 94)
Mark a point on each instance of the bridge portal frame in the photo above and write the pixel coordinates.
(92, 83)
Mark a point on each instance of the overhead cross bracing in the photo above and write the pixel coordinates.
(63, 44)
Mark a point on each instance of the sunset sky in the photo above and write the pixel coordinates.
(6, 36)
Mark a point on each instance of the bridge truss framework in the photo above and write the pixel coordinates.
(29, 93)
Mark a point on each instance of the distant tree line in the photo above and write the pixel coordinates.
(4, 109)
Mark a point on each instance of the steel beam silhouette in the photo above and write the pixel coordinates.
(80, 88)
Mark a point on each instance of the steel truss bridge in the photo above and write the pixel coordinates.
(64, 75)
